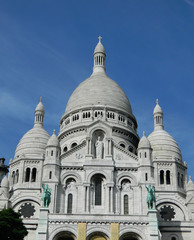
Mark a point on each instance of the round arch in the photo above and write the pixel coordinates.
(74, 175)
(100, 127)
(101, 172)
(134, 234)
(20, 200)
(97, 233)
(63, 233)
(173, 202)
(123, 176)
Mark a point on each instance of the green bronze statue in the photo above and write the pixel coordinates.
(151, 197)
(46, 196)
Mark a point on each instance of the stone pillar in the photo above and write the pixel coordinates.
(114, 231)
(81, 231)
(42, 229)
(153, 225)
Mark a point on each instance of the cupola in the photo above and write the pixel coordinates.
(158, 117)
(39, 114)
(99, 57)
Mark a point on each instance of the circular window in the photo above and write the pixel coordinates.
(27, 210)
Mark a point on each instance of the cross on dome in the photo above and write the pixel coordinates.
(100, 38)
(40, 99)
(157, 102)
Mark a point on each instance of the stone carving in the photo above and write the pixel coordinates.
(99, 148)
(46, 196)
(27, 210)
(78, 155)
(151, 197)
(119, 156)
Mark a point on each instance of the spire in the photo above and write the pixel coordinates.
(99, 57)
(39, 114)
(158, 117)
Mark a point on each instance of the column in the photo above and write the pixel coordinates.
(111, 199)
(81, 231)
(42, 229)
(114, 231)
(153, 225)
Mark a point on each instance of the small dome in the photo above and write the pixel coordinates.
(53, 140)
(40, 106)
(144, 142)
(157, 108)
(164, 145)
(99, 47)
(190, 185)
(33, 142)
(5, 182)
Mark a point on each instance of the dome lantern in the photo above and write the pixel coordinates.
(99, 57)
(39, 114)
(158, 117)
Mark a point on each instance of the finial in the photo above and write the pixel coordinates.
(54, 131)
(190, 178)
(144, 133)
(100, 38)
(157, 101)
(40, 99)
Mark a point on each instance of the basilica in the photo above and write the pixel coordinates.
(96, 179)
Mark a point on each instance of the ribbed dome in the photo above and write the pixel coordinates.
(157, 108)
(99, 90)
(33, 142)
(144, 142)
(40, 106)
(164, 145)
(5, 182)
(53, 140)
(99, 48)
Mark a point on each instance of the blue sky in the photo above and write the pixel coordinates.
(46, 49)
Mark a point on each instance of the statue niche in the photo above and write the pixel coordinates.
(98, 147)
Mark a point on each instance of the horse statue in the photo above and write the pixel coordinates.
(151, 197)
(46, 196)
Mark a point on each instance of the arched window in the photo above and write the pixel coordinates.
(27, 177)
(140, 155)
(73, 145)
(17, 176)
(50, 175)
(122, 145)
(65, 149)
(178, 180)
(167, 177)
(34, 175)
(145, 155)
(130, 149)
(98, 191)
(126, 204)
(69, 203)
(51, 152)
(146, 176)
(161, 177)
(182, 181)
(13, 177)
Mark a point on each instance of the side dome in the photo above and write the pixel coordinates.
(34, 142)
(164, 145)
(53, 141)
(144, 142)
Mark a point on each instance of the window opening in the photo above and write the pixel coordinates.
(126, 204)
(161, 177)
(34, 175)
(167, 177)
(69, 203)
(98, 191)
(27, 178)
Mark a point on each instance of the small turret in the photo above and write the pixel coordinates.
(3, 168)
(158, 117)
(99, 57)
(39, 114)
(145, 159)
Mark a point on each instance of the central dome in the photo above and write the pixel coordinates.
(100, 90)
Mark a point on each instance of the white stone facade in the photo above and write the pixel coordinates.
(98, 170)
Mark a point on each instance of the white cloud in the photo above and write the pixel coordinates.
(190, 2)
